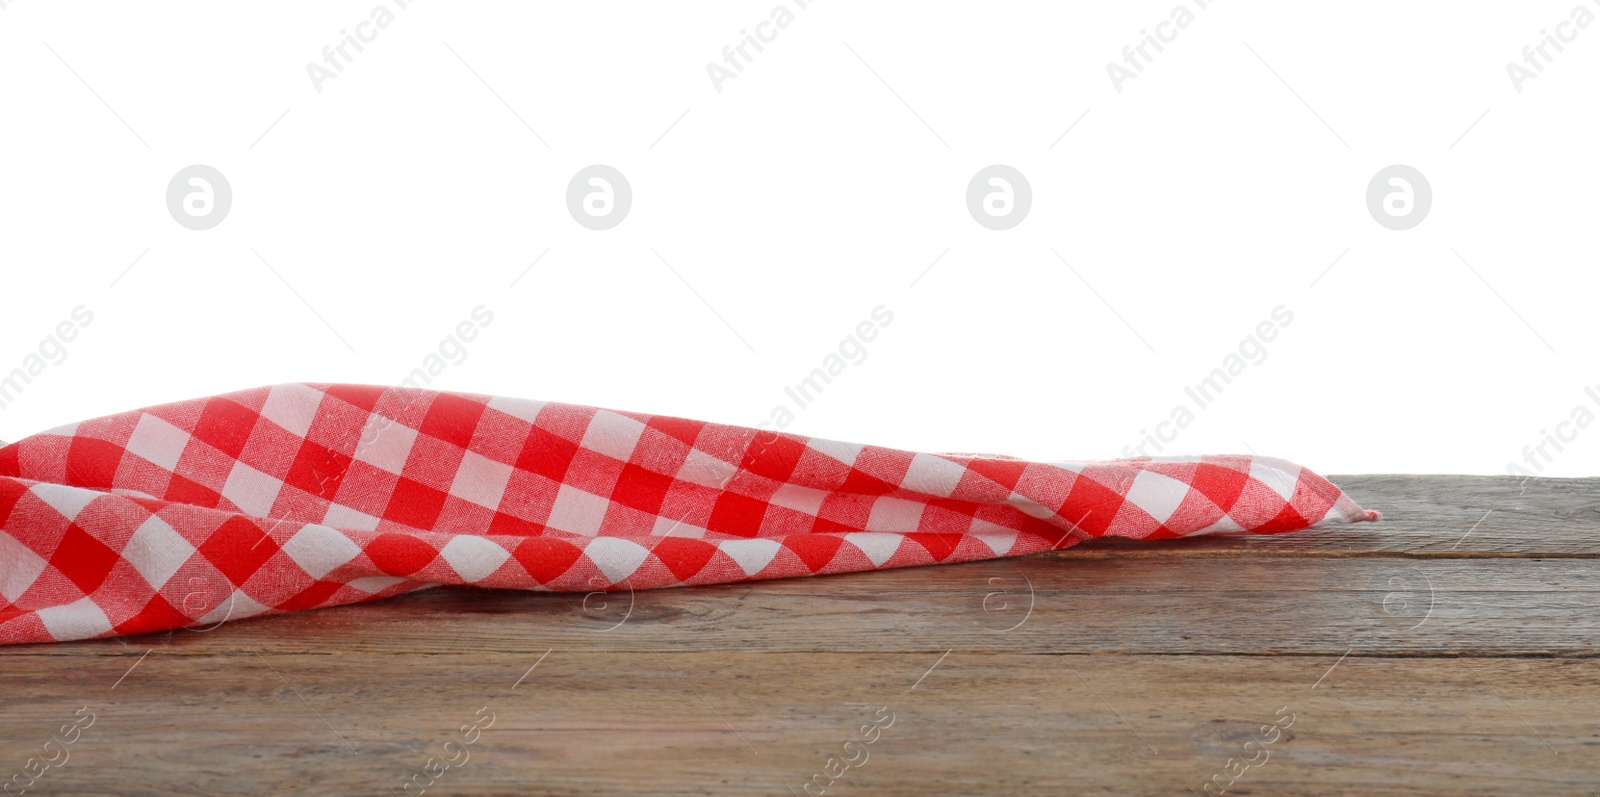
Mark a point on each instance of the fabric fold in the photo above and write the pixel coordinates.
(301, 496)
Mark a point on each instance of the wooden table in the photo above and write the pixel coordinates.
(1446, 650)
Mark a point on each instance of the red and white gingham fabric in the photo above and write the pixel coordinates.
(300, 496)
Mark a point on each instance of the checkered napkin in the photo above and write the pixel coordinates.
(300, 496)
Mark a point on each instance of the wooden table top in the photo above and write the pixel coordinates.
(1449, 649)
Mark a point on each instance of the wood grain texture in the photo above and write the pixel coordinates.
(1448, 649)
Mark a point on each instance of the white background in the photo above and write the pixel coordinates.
(805, 193)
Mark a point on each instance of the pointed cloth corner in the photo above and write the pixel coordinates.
(302, 496)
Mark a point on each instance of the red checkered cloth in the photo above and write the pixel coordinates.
(301, 496)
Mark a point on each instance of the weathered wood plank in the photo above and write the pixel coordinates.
(1306, 606)
(1416, 657)
(587, 722)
